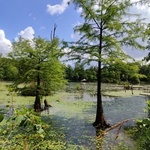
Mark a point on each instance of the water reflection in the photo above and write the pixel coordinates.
(119, 108)
(88, 97)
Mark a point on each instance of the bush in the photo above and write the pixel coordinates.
(23, 130)
(28, 91)
(135, 80)
(31, 91)
(143, 132)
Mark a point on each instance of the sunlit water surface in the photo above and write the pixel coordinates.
(72, 116)
(76, 114)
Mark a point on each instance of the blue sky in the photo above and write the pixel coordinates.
(32, 18)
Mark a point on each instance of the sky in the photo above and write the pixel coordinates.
(33, 18)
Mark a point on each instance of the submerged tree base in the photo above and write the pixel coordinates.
(101, 124)
(37, 105)
(37, 108)
(100, 121)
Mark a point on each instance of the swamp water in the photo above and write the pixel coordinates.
(72, 116)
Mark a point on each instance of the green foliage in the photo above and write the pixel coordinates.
(106, 29)
(119, 71)
(142, 132)
(1, 117)
(78, 87)
(78, 73)
(145, 69)
(115, 71)
(135, 79)
(23, 130)
(8, 70)
(28, 91)
(31, 91)
(38, 65)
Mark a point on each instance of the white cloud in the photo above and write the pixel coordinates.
(5, 44)
(144, 8)
(79, 10)
(58, 8)
(27, 33)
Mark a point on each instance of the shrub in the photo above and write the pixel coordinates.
(28, 91)
(23, 130)
(31, 91)
(143, 132)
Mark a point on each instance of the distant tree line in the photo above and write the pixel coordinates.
(79, 72)
(114, 72)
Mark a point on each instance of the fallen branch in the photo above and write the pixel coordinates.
(119, 124)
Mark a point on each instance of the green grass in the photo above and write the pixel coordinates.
(7, 98)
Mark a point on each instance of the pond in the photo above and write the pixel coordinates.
(73, 112)
(71, 117)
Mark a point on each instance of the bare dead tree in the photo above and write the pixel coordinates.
(53, 32)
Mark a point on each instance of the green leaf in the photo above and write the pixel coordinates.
(1, 117)
(19, 118)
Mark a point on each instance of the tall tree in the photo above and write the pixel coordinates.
(108, 26)
(38, 64)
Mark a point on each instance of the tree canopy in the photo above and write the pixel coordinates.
(38, 66)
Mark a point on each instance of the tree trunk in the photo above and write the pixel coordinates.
(100, 121)
(37, 103)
